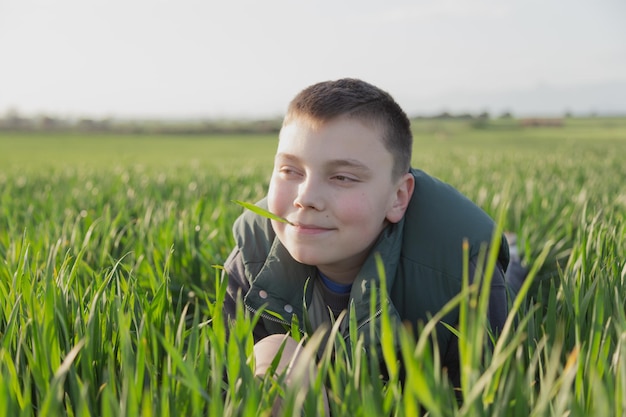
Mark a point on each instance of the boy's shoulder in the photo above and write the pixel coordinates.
(436, 199)
(439, 216)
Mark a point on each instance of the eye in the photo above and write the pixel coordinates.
(288, 172)
(343, 179)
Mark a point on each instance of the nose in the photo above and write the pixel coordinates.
(309, 195)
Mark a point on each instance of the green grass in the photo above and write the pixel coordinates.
(104, 151)
(110, 290)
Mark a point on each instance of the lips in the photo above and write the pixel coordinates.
(306, 228)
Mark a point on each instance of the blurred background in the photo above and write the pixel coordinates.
(95, 62)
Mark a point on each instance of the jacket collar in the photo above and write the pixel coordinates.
(280, 284)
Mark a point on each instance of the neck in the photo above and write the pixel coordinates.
(342, 277)
(334, 286)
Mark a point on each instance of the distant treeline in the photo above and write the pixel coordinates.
(14, 122)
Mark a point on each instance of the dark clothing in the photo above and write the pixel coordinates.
(423, 265)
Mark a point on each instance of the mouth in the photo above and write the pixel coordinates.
(310, 229)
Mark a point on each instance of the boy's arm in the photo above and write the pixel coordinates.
(498, 307)
(238, 287)
(497, 313)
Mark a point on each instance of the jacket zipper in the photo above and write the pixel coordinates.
(363, 323)
(378, 313)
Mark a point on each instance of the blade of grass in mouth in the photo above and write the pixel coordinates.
(261, 211)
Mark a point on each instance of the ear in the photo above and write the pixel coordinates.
(402, 197)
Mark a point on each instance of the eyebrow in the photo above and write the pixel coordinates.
(332, 164)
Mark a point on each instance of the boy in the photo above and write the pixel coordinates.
(342, 179)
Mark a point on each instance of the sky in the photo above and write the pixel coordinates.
(233, 59)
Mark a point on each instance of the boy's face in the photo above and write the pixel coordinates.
(334, 183)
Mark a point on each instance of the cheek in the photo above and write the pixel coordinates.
(359, 210)
(277, 198)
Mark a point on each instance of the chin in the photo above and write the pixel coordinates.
(306, 258)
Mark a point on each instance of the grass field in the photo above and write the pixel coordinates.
(110, 292)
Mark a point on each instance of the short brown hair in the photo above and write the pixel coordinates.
(369, 104)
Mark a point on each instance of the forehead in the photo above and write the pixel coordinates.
(336, 130)
(341, 138)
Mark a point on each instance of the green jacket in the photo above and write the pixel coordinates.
(422, 255)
